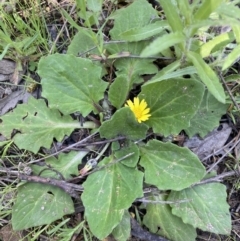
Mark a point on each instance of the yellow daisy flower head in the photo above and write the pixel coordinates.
(139, 109)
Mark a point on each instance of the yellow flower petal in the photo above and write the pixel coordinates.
(139, 108)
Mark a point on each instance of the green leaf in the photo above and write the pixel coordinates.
(114, 188)
(122, 149)
(123, 123)
(169, 166)
(207, 7)
(123, 230)
(119, 91)
(71, 84)
(217, 43)
(136, 15)
(132, 68)
(207, 117)
(141, 33)
(172, 104)
(66, 164)
(208, 76)
(231, 58)
(208, 209)
(171, 11)
(39, 204)
(162, 43)
(186, 10)
(229, 10)
(82, 42)
(171, 226)
(94, 5)
(164, 74)
(37, 125)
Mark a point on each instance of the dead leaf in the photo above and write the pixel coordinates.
(8, 234)
(211, 143)
(10, 101)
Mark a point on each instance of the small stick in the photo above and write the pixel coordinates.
(69, 188)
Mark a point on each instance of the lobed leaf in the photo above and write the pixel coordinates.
(115, 188)
(39, 204)
(171, 226)
(168, 166)
(172, 104)
(37, 125)
(207, 212)
(77, 81)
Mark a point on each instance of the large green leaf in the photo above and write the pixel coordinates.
(208, 209)
(162, 43)
(207, 117)
(71, 84)
(136, 15)
(137, 34)
(37, 125)
(208, 76)
(123, 123)
(171, 226)
(39, 204)
(107, 193)
(169, 166)
(66, 165)
(172, 103)
(123, 230)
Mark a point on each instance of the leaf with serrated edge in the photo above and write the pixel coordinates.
(71, 83)
(207, 117)
(136, 15)
(208, 209)
(171, 226)
(114, 188)
(123, 123)
(123, 229)
(66, 164)
(39, 204)
(208, 76)
(38, 125)
(168, 166)
(172, 104)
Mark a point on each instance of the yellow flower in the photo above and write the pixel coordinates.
(139, 109)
